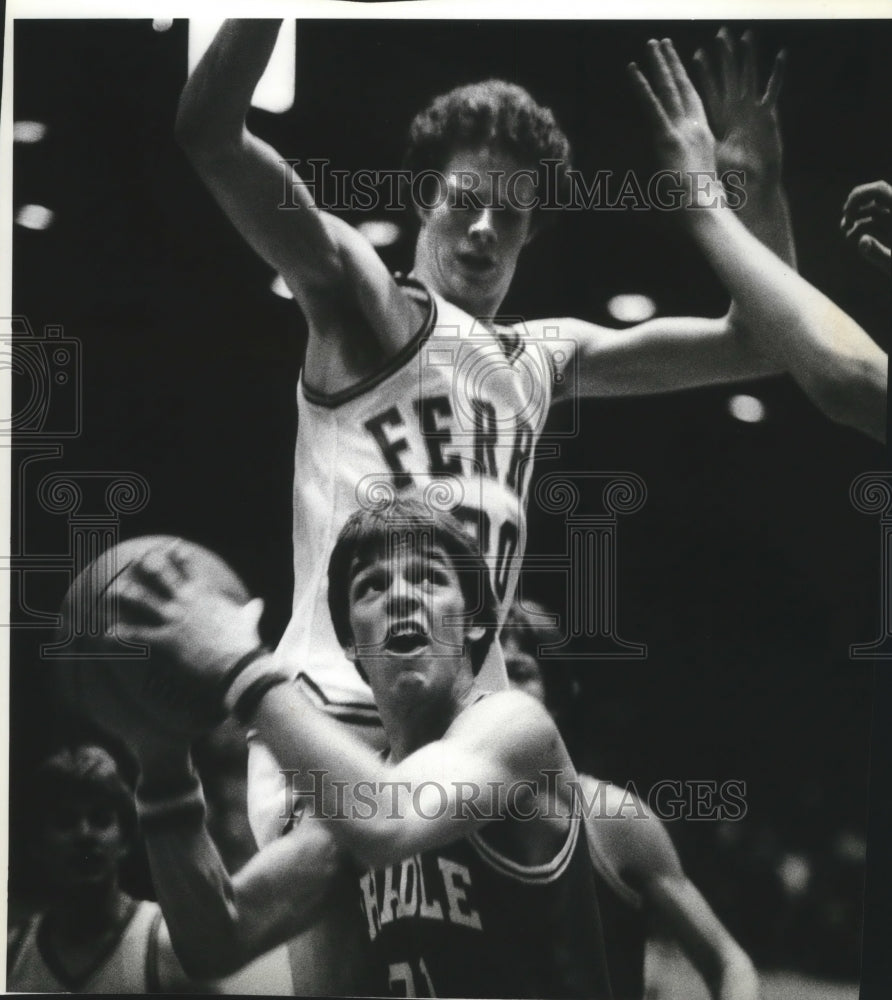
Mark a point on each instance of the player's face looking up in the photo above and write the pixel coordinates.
(406, 617)
(471, 237)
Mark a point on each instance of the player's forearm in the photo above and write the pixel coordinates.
(765, 212)
(833, 360)
(217, 96)
(218, 924)
(737, 980)
(191, 882)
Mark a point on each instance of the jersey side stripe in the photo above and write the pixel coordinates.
(334, 399)
(530, 874)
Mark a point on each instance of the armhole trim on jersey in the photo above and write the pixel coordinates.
(530, 874)
(422, 295)
(610, 875)
(153, 973)
(361, 713)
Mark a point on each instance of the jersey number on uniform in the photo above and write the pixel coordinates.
(403, 980)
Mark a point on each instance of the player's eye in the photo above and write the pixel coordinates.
(368, 583)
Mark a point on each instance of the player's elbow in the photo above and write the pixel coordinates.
(852, 393)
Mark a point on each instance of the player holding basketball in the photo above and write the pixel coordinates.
(373, 403)
(388, 390)
(649, 906)
(467, 850)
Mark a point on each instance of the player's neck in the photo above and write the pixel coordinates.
(425, 270)
(411, 725)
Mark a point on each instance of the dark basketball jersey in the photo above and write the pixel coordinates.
(466, 921)
(622, 913)
(625, 938)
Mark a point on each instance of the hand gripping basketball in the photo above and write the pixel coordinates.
(188, 614)
(166, 602)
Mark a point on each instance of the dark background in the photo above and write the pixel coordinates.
(748, 572)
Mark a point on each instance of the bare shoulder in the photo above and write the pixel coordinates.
(515, 723)
(627, 833)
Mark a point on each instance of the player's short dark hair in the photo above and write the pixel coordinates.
(492, 113)
(369, 534)
(83, 769)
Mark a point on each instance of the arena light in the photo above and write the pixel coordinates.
(379, 232)
(275, 91)
(35, 217)
(162, 23)
(631, 308)
(795, 873)
(28, 132)
(280, 288)
(747, 408)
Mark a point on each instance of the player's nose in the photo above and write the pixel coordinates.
(482, 229)
(404, 596)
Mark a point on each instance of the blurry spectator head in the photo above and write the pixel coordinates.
(82, 817)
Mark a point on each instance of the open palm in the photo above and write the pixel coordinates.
(743, 117)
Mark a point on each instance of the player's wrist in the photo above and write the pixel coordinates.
(169, 794)
(248, 680)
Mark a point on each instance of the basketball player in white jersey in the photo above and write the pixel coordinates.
(389, 392)
(650, 909)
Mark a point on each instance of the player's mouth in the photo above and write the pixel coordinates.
(407, 639)
(480, 265)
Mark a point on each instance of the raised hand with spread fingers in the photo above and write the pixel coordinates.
(834, 361)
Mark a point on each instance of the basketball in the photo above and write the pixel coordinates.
(119, 685)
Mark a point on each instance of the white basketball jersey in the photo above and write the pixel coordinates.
(453, 419)
(129, 966)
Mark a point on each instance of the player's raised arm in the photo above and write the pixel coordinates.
(744, 119)
(334, 273)
(831, 357)
(684, 352)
